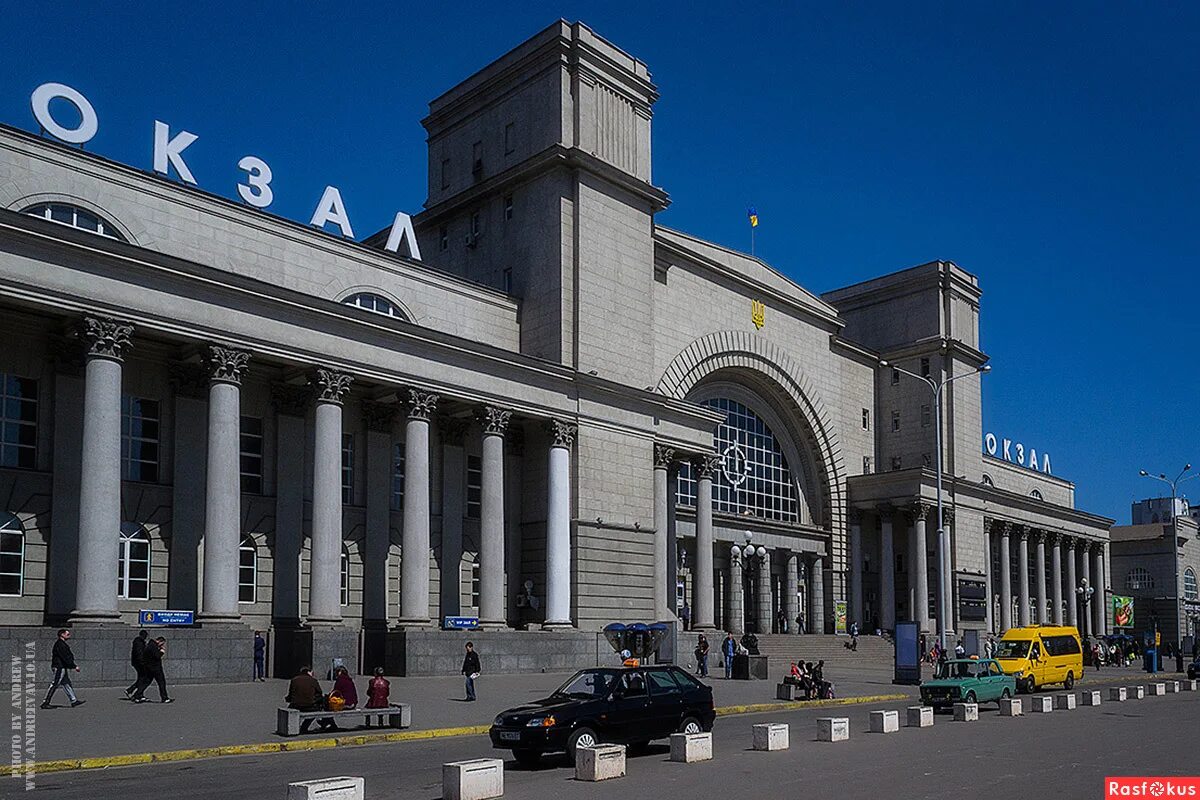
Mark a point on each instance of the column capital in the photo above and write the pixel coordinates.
(919, 511)
(494, 420)
(1037, 535)
(1069, 542)
(289, 399)
(421, 404)
(562, 433)
(1020, 531)
(1053, 538)
(664, 456)
(1002, 527)
(330, 384)
(188, 379)
(453, 430)
(706, 466)
(379, 417)
(226, 364)
(105, 337)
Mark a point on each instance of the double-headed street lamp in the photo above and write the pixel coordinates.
(1174, 484)
(944, 586)
(1085, 593)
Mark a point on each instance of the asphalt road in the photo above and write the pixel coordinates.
(1063, 754)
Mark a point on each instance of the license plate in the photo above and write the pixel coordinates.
(510, 736)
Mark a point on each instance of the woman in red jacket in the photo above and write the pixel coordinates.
(377, 690)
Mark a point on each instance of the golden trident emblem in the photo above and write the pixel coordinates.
(758, 313)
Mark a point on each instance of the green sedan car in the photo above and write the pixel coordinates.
(967, 681)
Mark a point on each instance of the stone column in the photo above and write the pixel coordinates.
(703, 610)
(414, 557)
(558, 526)
(791, 587)
(1099, 599)
(324, 580)
(291, 403)
(106, 341)
(664, 595)
(887, 572)
(380, 421)
(1022, 577)
(737, 616)
(1085, 560)
(494, 421)
(1056, 579)
(764, 590)
(1005, 578)
(816, 595)
(856, 564)
(946, 574)
(1039, 565)
(921, 563)
(1072, 603)
(223, 484)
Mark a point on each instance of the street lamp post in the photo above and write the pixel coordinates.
(944, 587)
(1085, 593)
(1174, 484)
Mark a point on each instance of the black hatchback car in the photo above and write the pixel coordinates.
(621, 705)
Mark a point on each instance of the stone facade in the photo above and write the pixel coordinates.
(1158, 565)
(228, 412)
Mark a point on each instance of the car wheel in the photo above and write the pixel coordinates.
(1069, 683)
(970, 698)
(527, 758)
(580, 737)
(690, 725)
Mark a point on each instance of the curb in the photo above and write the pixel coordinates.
(135, 759)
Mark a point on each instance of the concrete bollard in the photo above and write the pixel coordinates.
(1090, 698)
(966, 712)
(477, 779)
(885, 721)
(1157, 689)
(600, 763)
(1011, 707)
(327, 789)
(1065, 702)
(1189, 686)
(920, 716)
(1172, 687)
(771, 736)
(1041, 704)
(688, 748)
(833, 729)
(1137, 693)
(786, 691)
(1117, 694)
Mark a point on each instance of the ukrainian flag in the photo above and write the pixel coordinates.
(753, 214)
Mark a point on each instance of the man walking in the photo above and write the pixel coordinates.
(260, 657)
(62, 661)
(152, 658)
(136, 654)
(470, 669)
(728, 648)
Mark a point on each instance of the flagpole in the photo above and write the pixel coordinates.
(751, 240)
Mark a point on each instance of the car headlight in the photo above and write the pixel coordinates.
(541, 722)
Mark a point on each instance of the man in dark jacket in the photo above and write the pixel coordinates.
(152, 658)
(470, 669)
(304, 694)
(62, 661)
(136, 653)
(260, 657)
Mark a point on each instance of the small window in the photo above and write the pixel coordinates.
(1139, 578)
(507, 280)
(1036, 495)
(133, 563)
(866, 419)
(477, 161)
(252, 455)
(1190, 589)
(376, 303)
(987, 480)
(476, 223)
(398, 476)
(508, 207)
(247, 571)
(345, 576)
(895, 420)
(348, 468)
(74, 217)
(924, 367)
(445, 173)
(896, 462)
(510, 138)
(895, 376)
(926, 416)
(139, 439)
(474, 486)
(18, 421)
(444, 238)
(12, 556)
(868, 465)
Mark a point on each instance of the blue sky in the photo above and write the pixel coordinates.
(1051, 149)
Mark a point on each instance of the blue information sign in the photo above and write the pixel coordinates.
(148, 617)
(460, 623)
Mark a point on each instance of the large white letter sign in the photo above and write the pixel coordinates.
(257, 189)
(402, 231)
(88, 124)
(331, 209)
(168, 151)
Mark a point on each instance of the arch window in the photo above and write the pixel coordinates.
(374, 302)
(75, 217)
(12, 556)
(133, 565)
(987, 481)
(247, 571)
(345, 576)
(1190, 589)
(1139, 578)
(1036, 495)
(753, 477)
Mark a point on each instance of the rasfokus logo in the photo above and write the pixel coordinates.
(1151, 787)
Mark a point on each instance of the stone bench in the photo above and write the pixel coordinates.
(770, 736)
(477, 779)
(688, 748)
(600, 763)
(966, 712)
(327, 789)
(287, 720)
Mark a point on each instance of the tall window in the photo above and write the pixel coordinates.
(12, 556)
(508, 207)
(345, 576)
(252, 455)
(926, 415)
(925, 367)
(398, 476)
(868, 465)
(866, 419)
(1139, 578)
(247, 570)
(139, 439)
(133, 566)
(445, 173)
(374, 302)
(348, 468)
(474, 486)
(754, 477)
(18, 421)
(1190, 589)
(510, 138)
(75, 217)
(475, 582)
(895, 420)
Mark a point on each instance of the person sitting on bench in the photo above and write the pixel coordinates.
(304, 694)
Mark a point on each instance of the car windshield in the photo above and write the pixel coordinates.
(1013, 648)
(956, 669)
(586, 685)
